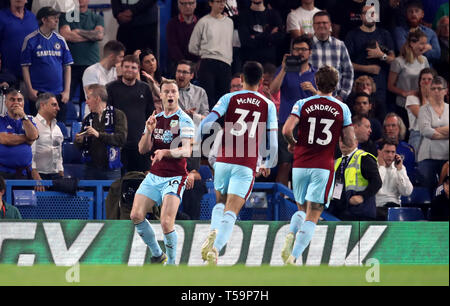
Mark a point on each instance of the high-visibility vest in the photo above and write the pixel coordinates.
(354, 180)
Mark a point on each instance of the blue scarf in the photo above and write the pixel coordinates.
(113, 152)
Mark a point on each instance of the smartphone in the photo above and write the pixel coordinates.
(293, 63)
(398, 159)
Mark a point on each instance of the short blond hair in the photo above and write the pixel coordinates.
(168, 81)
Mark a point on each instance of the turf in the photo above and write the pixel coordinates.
(238, 275)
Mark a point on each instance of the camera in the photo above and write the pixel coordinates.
(293, 63)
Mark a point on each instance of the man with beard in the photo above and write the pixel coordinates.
(293, 87)
(371, 50)
(134, 98)
(414, 16)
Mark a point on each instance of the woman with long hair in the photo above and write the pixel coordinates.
(413, 104)
(152, 76)
(405, 69)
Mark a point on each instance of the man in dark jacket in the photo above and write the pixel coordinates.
(357, 181)
(103, 134)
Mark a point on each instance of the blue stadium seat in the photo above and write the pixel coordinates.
(405, 214)
(71, 154)
(205, 172)
(71, 114)
(82, 108)
(73, 171)
(64, 131)
(76, 128)
(420, 195)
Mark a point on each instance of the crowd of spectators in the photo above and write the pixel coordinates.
(392, 60)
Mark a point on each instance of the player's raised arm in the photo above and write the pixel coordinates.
(146, 142)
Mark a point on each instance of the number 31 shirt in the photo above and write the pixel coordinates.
(321, 122)
(248, 116)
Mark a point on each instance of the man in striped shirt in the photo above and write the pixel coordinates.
(330, 51)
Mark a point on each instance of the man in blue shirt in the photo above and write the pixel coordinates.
(17, 133)
(46, 61)
(293, 86)
(16, 22)
(414, 16)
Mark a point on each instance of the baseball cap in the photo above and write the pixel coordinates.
(45, 12)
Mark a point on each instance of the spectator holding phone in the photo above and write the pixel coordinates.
(294, 80)
(395, 179)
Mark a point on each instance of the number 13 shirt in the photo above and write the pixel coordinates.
(322, 119)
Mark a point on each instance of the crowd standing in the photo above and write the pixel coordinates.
(393, 74)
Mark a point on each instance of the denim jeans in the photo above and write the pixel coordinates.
(429, 170)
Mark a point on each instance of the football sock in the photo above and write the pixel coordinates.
(225, 230)
(303, 239)
(145, 230)
(297, 221)
(216, 216)
(170, 240)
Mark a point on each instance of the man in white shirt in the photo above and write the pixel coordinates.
(47, 161)
(300, 21)
(104, 71)
(395, 180)
(193, 99)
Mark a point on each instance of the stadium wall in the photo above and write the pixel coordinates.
(65, 243)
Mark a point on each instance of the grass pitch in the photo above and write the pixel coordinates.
(238, 275)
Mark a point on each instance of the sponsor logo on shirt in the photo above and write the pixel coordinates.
(48, 53)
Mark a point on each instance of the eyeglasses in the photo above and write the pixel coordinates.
(300, 49)
(187, 3)
(183, 72)
(220, 1)
(237, 86)
(437, 88)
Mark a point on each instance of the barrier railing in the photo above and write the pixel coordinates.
(279, 203)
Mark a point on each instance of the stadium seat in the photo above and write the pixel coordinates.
(73, 171)
(71, 114)
(82, 110)
(64, 131)
(205, 172)
(76, 128)
(420, 195)
(71, 154)
(405, 214)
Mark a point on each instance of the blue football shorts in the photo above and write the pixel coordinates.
(233, 179)
(314, 185)
(156, 188)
